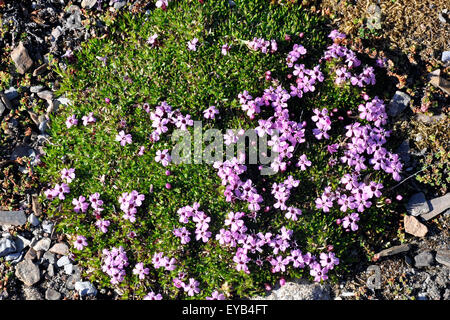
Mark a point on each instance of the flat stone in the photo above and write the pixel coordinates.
(5, 101)
(51, 270)
(11, 93)
(404, 151)
(2, 107)
(418, 205)
(438, 205)
(36, 206)
(398, 103)
(443, 257)
(13, 218)
(60, 248)
(43, 244)
(28, 272)
(88, 4)
(374, 17)
(21, 58)
(424, 259)
(299, 290)
(33, 220)
(46, 95)
(40, 70)
(119, 5)
(14, 257)
(7, 246)
(438, 81)
(85, 288)
(430, 119)
(414, 227)
(393, 250)
(52, 294)
(32, 293)
(63, 261)
(36, 89)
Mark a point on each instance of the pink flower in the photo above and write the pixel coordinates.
(123, 138)
(303, 162)
(80, 243)
(192, 45)
(225, 49)
(216, 296)
(153, 296)
(192, 287)
(89, 119)
(140, 270)
(68, 174)
(163, 157)
(80, 204)
(71, 121)
(210, 113)
(103, 225)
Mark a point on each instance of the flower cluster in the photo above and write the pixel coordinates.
(323, 123)
(297, 51)
(129, 202)
(265, 46)
(114, 263)
(73, 121)
(201, 223)
(140, 271)
(161, 261)
(58, 191)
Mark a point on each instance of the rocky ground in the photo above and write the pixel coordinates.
(35, 261)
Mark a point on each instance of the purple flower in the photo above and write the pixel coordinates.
(80, 204)
(89, 119)
(123, 138)
(59, 190)
(71, 121)
(225, 49)
(303, 162)
(153, 296)
(163, 157)
(80, 243)
(192, 45)
(216, 296)
(103, 225)
(210, 113)
(328, 260)
(68, 174)
(192, 287)
(140, 270)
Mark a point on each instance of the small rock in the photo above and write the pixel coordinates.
(33, 220)
(374, 17)
(88, 4)
(51, 270)
(398, 103)
(47, 226)
(43, 244)
(445, 56)
(443, 257)
(60, 248)
(393, 250)
(40, 70)
(299, 289)
(441, 18)
(438, 81)
(424, 259)
(2, 107)
(68, 269)
(119, 5)
(21, 243)
(85, 288)
(52, 294)
(28, 272)
(404, 151)
(62, 261)
(31, 254)
(36, 89)
(6, 246)
(5, 101)
(418, 205)
(438, 205)
(11, 93)
(50, 257)
(36, 206)
(13, 218)
(21, 58)
(414, 227)
(46, 95)
(14, 257)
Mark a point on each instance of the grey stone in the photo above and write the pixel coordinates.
(36, 89)
(85, 288)
(398, 103)
(21, 243)
(52, 294)
(11, 93)
(418, 205)
(5, 101)
(40, 70)
(31, 254)
(74, 20)
(50, 257)
(441, 18)
(445, 56)
(28, 272)
(43, 244)
(46, 95)
(33, 220)
(88, 4)
(47, 226)
(60, 248)
(443, 257)
(438, 205)
(2, 107)
(68, 269)
(404, 151)
(63, 261)
(13, 218)
(393, 250)
(6, 246)
(23, 151)
(14, 257)
(374, 17)
(32, 293)
(21, 58)
(37, 206)
(414, 227)
(299, 290)
(119, 5)
(424, 259)
(51, 270)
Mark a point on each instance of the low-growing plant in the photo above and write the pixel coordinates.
(152, 228)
